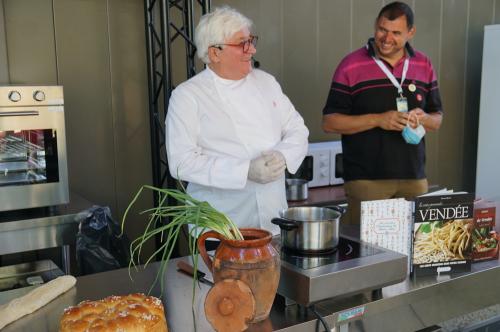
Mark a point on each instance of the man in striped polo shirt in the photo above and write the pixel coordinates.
(379, 97)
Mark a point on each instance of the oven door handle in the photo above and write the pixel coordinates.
(19, 113)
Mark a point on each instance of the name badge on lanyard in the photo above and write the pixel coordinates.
(402, 104)
(401, 101)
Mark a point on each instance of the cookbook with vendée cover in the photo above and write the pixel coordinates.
(442, 234)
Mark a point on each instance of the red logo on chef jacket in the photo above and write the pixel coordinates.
(419, 97)
(274, 104)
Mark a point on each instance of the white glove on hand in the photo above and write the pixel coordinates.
(267, 168)
(278, 158)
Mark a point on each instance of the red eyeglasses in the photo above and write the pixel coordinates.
(245, 45)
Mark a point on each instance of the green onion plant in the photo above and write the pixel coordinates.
(201, 216)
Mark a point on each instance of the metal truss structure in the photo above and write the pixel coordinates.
(166, 21)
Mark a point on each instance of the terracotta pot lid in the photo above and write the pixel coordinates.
(229, 306)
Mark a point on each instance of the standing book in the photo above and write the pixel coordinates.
(442, 241)
(484, 237)
(387, 223)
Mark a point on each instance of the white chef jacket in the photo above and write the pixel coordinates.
(215, 127)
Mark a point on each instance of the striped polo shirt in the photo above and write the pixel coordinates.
(360, 87)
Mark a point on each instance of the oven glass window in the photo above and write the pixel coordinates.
(28, 157)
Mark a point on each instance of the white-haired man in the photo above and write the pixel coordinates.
(230, 130)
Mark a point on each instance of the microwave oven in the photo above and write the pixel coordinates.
(322, 165)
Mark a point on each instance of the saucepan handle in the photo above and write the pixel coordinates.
(203, 251)
(285, 224)
(340, 209)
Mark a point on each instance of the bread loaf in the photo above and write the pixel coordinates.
(128, 313)
(35, 299)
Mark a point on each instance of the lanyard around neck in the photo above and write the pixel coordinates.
(391, 77)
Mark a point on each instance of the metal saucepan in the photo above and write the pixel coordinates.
(310, 229)
(296, 189)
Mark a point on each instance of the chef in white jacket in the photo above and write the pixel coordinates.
(230, 130)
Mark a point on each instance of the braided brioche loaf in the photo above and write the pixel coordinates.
(128, 313)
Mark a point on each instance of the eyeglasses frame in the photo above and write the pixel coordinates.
(244, 44)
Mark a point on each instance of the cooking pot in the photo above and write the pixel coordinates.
(310, 229)
(296, 189)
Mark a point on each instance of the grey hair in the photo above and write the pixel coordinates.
(216, 27)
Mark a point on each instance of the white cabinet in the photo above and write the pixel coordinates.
(488, 149)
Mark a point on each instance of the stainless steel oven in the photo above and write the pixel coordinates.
(33, 163)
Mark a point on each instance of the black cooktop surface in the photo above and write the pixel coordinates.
(346, 250)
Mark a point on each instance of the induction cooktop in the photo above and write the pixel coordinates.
(354, 267)
(347, 249)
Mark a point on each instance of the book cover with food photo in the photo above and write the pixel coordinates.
(442, 238)
(484, 236)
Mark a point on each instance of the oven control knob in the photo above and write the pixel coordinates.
(14, 96)
(39, 95)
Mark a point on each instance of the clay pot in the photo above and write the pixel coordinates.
(252, 260)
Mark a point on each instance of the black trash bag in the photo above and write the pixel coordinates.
(99, 246)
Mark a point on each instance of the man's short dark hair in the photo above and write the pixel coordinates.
(397, 9)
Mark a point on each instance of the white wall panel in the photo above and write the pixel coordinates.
(488, 152)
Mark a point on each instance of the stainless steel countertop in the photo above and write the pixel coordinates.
(410, 305)
(91, 287)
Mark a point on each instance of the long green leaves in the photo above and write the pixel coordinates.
(200, 216)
